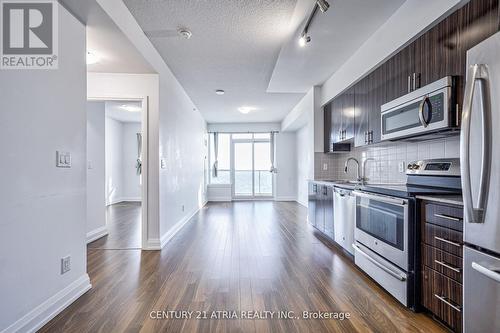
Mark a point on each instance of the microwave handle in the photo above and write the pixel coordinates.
(477, 72)
(423, 121)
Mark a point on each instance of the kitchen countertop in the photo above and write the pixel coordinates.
(448, 199)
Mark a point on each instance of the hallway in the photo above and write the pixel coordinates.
(123, 221)
(237, 257)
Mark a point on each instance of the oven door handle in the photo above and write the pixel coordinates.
(394, 201)
(379, 265)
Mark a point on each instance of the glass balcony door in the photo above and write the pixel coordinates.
(251, 164)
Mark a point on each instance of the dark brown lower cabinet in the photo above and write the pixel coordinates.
(443, 297)
(441, 262)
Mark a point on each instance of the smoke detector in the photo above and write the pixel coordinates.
(184, 33)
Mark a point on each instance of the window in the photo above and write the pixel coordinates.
(224, 159)
(243, 161)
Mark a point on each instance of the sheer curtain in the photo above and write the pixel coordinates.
(216, 154)
(272, 151)
(138, 165)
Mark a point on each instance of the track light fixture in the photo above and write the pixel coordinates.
(304, 38)
(323, 5)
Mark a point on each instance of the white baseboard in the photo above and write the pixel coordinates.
(131, 199)
(123, 199)
(302, 203)
(220, 199)
(96, 234)
(42, 314)
(158, 244)
(285, 198)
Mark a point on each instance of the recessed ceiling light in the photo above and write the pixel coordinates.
(92, 58)
(220, 92)
(130, 108)
(246, 109)
(185, 33)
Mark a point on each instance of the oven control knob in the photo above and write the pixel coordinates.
(410, 166)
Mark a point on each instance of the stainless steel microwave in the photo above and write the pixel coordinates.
(430, 111)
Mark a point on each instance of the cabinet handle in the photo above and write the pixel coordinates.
(455, 269)
(445, 301)
(370, 136)
(366, 135)
(447, 217)
(409, 83)
(414, 79)
(447, 241)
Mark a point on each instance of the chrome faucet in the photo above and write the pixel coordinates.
(358, 178)
(363, 179)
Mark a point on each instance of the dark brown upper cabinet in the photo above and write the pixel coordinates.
(333, 127)
(400, 69)
(370, 94)
(437, 52)
(348, 114)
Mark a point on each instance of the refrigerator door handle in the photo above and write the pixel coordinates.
(492, 274)
(477, 72)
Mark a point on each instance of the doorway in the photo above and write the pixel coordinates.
(116, 187)
(250, 172)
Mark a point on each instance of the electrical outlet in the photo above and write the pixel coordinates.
(163, 163)
(65, 264)
(401, 166)
(325, 166)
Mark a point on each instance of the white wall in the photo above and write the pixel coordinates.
(285, 182)
(114, 160)
(43, 208)
(96, 208)
(410, 20)
(104, 86)
(122, 181)
(304, 164)
(179, 138)
(131, 180)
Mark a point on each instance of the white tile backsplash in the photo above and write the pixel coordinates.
(387, 157)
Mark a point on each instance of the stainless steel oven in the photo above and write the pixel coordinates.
(381, 242)
(382, 226)
(430, 111)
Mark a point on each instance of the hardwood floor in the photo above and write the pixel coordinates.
(124, 227)
(239, 256)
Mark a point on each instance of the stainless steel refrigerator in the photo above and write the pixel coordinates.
(480, 168)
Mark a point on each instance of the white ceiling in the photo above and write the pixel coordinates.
(116, 52)
(116, 110)
(104, 38)
(335, 36)
(249, 49)
(234, 47)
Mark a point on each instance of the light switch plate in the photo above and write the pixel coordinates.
(63, 159)
(325, 166)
